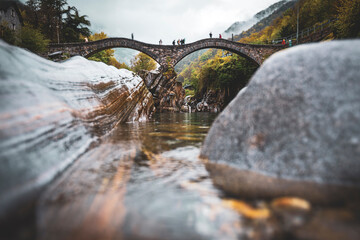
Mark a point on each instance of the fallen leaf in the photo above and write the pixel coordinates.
(246, 210)
(291, 202)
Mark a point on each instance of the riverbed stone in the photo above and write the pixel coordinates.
(295, 129)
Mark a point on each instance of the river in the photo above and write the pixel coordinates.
(142, 181)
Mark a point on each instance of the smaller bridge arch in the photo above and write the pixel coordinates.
(255, 53)
(165, 54)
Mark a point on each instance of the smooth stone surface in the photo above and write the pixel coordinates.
(51, 113)
(297, 122)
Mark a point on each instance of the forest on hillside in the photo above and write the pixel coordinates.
(344, 16)
(220, 71)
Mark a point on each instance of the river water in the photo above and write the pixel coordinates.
(142, 181)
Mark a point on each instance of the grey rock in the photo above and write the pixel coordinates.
(295, 129)
(52, 113)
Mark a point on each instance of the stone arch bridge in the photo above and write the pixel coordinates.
(167, 54)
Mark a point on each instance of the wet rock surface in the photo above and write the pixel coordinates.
(168, 94)
(51, 113)
(294, 130)
(212, 101)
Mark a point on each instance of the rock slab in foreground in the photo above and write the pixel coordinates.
(51, 113)
(295, 129)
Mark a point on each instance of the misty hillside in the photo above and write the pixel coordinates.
(259, 21)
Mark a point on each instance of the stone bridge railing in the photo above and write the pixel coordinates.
(167, 54)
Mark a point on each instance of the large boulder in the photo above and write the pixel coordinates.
(295, 129)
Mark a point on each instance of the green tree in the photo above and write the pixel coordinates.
(32, 15)
(33, 39)
(57, 20)
(348, 19)
(51, 12)
(75, 25)
(218, 71)
(142, 62)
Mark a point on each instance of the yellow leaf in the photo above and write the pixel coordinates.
(246, 210)
(292, 202)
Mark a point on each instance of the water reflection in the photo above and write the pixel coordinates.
(166, 131)
(144, 181)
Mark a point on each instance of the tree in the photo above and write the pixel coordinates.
(51, 12)
(74, 25)
(56, 20)
(33, 39)
(32, 15)
(118, 65)
(142, 62)
(348, 19)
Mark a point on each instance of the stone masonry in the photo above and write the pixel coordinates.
(167, 54)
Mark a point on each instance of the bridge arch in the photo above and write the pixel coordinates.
(215, 45)
(109, 43)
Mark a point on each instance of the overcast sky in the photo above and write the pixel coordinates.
(152, 20)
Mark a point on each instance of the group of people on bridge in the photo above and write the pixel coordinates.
(284, 42)
(220, 36)
(179, 42)
(210, 34)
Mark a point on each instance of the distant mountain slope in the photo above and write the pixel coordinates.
(125, 55)
(259, 21)
(186, 61)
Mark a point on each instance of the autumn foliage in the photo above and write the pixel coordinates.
(344, 14)
(105, 56)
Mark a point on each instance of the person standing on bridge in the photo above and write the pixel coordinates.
(132, 36)
(160, 42)
(220, 36)
(174, 43)
(210, 34)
